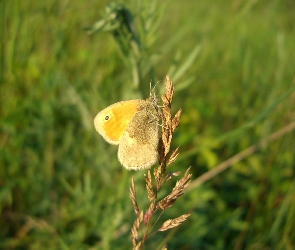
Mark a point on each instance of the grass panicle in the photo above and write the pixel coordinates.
(169, 124)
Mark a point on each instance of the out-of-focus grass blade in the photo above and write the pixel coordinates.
(237, 132)
(180, 70)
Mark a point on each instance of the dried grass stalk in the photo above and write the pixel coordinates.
(133, 197)
(135, 227)
(149, 186)
(168, 224)
(166, 158)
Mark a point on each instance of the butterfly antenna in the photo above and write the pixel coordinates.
(152, 90)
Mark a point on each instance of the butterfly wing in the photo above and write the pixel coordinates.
(138, 147)
(112, 122)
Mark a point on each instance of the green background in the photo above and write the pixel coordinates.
(232, 64)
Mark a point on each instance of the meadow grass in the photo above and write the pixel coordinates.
(232, 64)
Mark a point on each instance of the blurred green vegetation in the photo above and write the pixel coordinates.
(232, 63)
